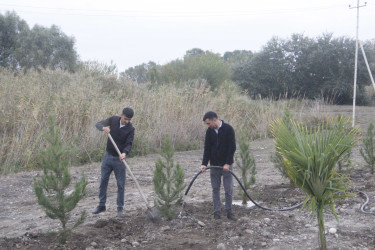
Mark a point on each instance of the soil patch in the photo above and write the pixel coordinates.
(23, 225)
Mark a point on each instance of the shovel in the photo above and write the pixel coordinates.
(152, 212)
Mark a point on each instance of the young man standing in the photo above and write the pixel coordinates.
(219, 148)
(122, 132)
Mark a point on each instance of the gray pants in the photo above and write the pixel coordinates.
(228, 188)
(112, 163)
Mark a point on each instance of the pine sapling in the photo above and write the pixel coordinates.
(367, 151)
(247, 165)
(52, 188)
(168, 182)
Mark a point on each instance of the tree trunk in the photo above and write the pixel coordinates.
(322, 237)
(244, 199)
(292, 185)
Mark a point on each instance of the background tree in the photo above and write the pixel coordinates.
(237, 56)
(247, 164)
(52, 188)
(319, 67)
(168, 182)
(310, 157)
(140, 73)
(196, 64)
(51, 48)
(208, 66)
(266, 73)
(172, 72)
(194, 52)
(368, 149)
(330, 69)
(39, 47)
(12, 31)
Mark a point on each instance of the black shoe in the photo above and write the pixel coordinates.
(231, 216)
(217, 216)
(99, 209)
(120, 212)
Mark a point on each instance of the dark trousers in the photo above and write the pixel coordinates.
(216, 175)
(112, 163)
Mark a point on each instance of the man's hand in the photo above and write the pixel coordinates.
(122, 156)
(226, 167)
(203, 168)
(106, 129)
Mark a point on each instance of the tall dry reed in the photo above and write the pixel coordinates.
(80, 100)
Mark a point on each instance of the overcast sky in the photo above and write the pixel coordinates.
(129, 33)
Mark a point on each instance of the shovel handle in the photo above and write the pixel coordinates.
(129, 170)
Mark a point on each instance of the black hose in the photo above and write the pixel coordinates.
(243, 188)
(365, 204)
(275, 209)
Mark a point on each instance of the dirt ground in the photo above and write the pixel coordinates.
(24, 225)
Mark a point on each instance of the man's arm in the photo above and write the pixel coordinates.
(231, 146)
(104, 123)
(129, 142)
(206, 153)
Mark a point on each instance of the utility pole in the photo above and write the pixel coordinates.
(356, 59)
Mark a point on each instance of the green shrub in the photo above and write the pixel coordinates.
(168, 182)
(52, 188)
(247, 165)
(310, 157)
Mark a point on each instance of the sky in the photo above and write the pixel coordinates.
(128, 33)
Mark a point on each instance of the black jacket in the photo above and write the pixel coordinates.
(219, 148)
(122, 136)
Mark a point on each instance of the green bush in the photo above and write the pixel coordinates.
(168, 182)
(310, 157)
(52, 188)
(246, 163)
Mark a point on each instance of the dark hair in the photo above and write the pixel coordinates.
(209, 115)
(128, 112)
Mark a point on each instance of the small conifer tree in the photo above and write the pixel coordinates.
(367, 151)
(276, 158)
(247, 165)
(168, 182)
(51, 188)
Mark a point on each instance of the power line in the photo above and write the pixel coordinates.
(146, 13)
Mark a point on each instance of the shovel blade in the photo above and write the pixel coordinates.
(153, 214)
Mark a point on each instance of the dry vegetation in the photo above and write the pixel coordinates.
(80, 100)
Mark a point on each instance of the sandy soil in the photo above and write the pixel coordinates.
(24, 225)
